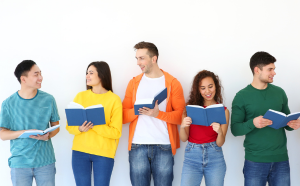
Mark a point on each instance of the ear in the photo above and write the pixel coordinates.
(256, 70)
(154, 59)
(23, 79)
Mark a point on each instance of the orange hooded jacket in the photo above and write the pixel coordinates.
(172, 116)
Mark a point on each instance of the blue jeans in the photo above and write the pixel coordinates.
(83, 163)
(203, 160)
(147, 159)
(258, 174)
(44, 176)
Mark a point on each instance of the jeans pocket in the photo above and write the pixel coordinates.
(134, 146)
(188, 148)
(217, 148)
(165, 147)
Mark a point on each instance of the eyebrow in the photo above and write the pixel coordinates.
(37, 72)
(208, 85)
(139, 56)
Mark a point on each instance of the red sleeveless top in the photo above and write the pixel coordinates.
(202, 134)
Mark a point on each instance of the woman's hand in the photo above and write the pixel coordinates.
(186, 122)
(85, 126)
(216, 127)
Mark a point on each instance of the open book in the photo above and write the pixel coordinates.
(150, 102)
(28, 133)
(77, 114)
(206, 116)
(280, 119)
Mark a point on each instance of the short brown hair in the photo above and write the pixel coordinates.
(261, 59)
(152, 49)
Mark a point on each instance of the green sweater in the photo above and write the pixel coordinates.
(265, 144)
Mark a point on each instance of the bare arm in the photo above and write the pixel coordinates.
(222, 130)
(185, 127)
(6, 134)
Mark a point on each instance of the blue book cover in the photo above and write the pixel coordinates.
(26, 134)
(150, 102)
(280, 119)
(77, 114)
(206, 116)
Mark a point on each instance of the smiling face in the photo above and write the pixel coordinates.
(267, 73)
(144, 61)
(207, 89)
(92, 78)
(33, 79)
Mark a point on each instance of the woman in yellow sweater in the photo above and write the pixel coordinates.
(94, 147)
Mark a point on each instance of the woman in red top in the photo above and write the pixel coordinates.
(203, 153)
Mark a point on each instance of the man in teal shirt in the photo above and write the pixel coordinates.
(28, 109)
(266, 157)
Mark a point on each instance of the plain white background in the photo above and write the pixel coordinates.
(63, 37)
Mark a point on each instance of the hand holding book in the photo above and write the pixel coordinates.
(150, 112)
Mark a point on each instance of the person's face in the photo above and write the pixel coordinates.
(267, 73)
(207, 88)
(34, 78)
(92, 78)
(144, 61)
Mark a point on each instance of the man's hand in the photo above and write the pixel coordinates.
(294, 124)
(44, 137)
(150, 112)
(261, 122)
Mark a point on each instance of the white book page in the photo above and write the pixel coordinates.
(94, 106)
(277, 112)
(215, 105)
(51, 128)
(197, 106)
(73, 105)
(293, 114)
(143, 101)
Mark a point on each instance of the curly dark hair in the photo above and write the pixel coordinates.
(195, 97)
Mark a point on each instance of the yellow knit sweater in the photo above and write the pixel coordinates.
(101, 140)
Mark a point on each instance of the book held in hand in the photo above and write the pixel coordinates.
(206, 116)
(280, 119)
(28, 133)
(77, 114)
(150, 102)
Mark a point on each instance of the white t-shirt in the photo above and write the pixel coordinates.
(150, 130)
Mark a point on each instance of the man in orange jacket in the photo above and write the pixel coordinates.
(153, 135)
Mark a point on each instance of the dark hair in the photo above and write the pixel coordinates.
(261, 59)
(23, 68)
(103, 73)
(152, 49)
(195, 97)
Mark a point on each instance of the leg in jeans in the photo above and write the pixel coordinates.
(162, 162)
(102, 168)
(280, 174)
(214, 165)
(192, 170)
(21, 176)
(82, 168)
(45, 176)
(256, 174)
(140, 173)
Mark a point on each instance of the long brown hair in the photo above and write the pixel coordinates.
(195, 97)
(103, 73)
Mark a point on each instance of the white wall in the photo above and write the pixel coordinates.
(63, 37)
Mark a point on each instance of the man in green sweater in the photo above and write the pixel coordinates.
(266, 157)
